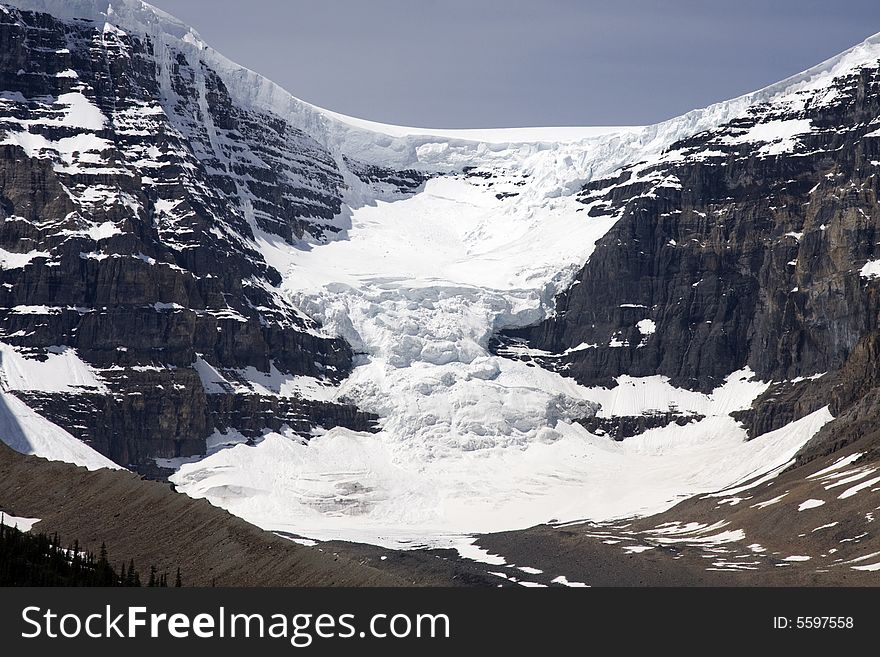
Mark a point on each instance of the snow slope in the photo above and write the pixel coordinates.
(61, 371)
(469, 442)
(591, 151)
(29, 433)
(22, 524)
(26, 431)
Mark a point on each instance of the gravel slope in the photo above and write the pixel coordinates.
(150, 523)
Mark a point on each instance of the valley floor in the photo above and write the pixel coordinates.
(148, 522)
(805, 528)
(765, 533)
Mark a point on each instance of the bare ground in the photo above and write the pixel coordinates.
(756, 536)
(148, 522)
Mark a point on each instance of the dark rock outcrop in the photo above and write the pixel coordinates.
(734, 251)
(620, 427)
(133, 194)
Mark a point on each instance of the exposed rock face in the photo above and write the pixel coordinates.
(626, 426)
(253, 414)
(133, 194)
(147, 414)
(392, 180)
(742, 246)
(854, 396)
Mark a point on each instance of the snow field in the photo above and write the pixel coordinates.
(470, 442)
(22, 524)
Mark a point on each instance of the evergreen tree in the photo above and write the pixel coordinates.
(35, 559)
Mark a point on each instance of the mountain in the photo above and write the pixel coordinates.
(752, 244)
(341, 329)
(135, 193)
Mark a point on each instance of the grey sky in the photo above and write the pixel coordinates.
(503, 63)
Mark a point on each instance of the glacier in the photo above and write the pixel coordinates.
(469, 442)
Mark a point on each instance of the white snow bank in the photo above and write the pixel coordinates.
(489, 135)
(564, 581)
(638, 395)
(849, 492)
(26, 431)
(62, 370)
(871, 269)
(780, 136)
(729, 536)
(870, 567)
(365, 487)
(771, 502)
(840, 463)
(22, 524)
(271, 383)
(647, 327)
(29, 433)
(103, 231)
(10, 260)
(80, 112)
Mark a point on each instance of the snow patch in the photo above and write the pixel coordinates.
(842, 462)
(27, 432)
(61, 370)
(10, 260)
(780, 136)
(765, 504)
(874, 567)
(871, 269)
(849, 492)
(647, 327)
(566, 582)
(22, 524)
(103, 231)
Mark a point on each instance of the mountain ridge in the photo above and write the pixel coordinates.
(319, 326)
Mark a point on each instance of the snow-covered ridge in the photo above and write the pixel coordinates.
(554, 134)
(597, 150)
(557, 160)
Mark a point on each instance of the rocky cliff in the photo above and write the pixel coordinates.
(750, 245)
(134, 195)
(193, 259)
